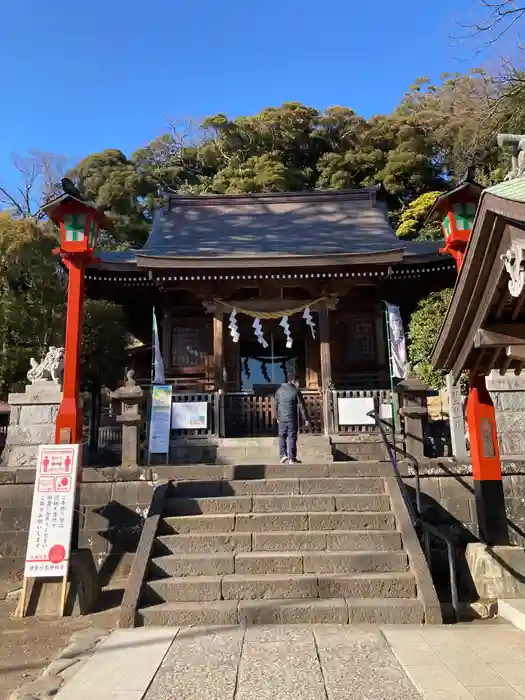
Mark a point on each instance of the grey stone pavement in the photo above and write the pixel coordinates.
(483, 661)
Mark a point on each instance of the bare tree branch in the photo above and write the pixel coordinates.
(500, 16)
(40, 174)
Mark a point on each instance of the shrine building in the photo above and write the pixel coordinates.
(215, 265)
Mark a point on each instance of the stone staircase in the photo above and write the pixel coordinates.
(293, 544)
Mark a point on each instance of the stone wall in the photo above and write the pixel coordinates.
(508, 395)
(448, 502)
(111, 516)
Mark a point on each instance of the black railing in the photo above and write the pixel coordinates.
(423, 528)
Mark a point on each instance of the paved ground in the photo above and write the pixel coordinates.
(27, 646)
(480, 662)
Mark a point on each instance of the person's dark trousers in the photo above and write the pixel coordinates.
(288, 440)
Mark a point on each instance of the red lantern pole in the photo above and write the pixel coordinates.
(79, 222)
(70, 419)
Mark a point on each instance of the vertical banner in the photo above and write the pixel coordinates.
(158, 363)
(396, 334)
(49, 542)
(160, 419)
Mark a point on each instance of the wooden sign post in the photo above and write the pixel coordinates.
(48, 551)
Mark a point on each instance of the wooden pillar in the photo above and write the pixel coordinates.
(218, 349)
(486, 464)
(326, 367)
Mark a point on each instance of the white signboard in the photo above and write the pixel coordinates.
(160, 421)
(49, 543)
(353, 411)
(191, 415)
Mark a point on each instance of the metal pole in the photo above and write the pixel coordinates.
(389, 346)
(272, 354)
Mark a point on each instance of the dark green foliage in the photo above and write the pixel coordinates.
(103, 345)
(425, 324)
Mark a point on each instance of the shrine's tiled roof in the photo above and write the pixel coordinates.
(336, 227)
(319, 223)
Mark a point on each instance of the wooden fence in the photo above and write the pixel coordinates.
(253, 415)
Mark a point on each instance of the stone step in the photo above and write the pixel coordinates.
(327, 540)
(307, 440)
(385, 611)
(285, 611)
(252, 487)
(243, 472)
(367, 585)
(349, 540)
(250, 587)
(216, 612)
(277, 504)
(268, 522)
(260, 563)
(314, 453)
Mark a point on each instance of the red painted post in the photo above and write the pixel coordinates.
(79, 223)
(481, 417)
(70, 421)
(486, 464)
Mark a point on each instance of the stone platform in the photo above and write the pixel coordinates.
(312, 449)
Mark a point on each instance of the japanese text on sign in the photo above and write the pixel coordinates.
(49, 542)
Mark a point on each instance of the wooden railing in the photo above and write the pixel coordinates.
(253, 415)
(368, 425)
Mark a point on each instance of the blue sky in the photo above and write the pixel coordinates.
(79, 78)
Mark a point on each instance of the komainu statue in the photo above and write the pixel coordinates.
(517, 141)
(51, 369)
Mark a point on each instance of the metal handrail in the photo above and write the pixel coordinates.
(415, 513)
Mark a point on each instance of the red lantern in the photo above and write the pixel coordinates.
(79, 223)
(456, 210)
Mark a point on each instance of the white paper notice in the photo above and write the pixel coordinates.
(49, 542)
(186, 416)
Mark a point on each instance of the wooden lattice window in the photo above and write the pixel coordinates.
(191, 345)
(360, 347)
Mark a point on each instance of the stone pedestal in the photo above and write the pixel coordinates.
(131, 396)
(497, 572)
(413, 409)
(31, 423)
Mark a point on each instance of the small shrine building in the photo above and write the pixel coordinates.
(216, 265)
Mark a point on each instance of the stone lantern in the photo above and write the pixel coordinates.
(414, 411)
(131, 396)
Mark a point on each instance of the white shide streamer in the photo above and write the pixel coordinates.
(307, 315)
(234, 328)
(259, 332)
(286, 327)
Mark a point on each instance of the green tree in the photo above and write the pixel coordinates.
(32, 296)
(457, 117)
(114, 184)
(412, 219)
(104, 355)
(424, 326)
